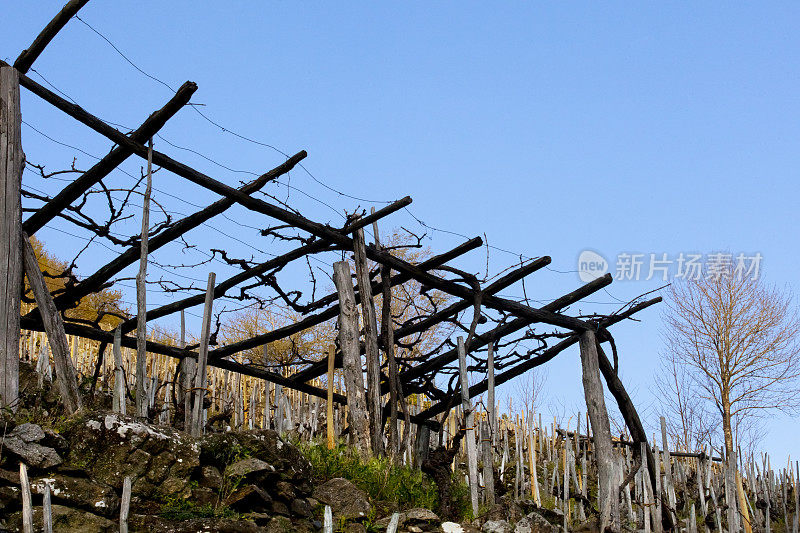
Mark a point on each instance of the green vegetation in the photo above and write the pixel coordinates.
(183, 509)
(378, 477)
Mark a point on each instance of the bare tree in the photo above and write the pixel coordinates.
(737, 340)
(690, 425)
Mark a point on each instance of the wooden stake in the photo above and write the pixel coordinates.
(119, 403)
(329, 412)
(47, 510)
(125, 505)
(202, 359)
(466, 405)
(12, 161)
(141, 293)
(351, 358)
(65, 372)
(27, 506)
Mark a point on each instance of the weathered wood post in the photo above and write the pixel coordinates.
(490, 393)
(47, 510)
(125, 505)
(202, 360)
(374, 403)
(466, 405)
(329, 406)
(601, 428)
(12, 161)
(53, 324)
(351, 358)
(141, 294)
(27, 504)
(387, 336)
(488, 465)
(119, 404)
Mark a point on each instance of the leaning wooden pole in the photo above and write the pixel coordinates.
(351, 355)
(202, 360)
(12, 161)
(29, 55)
(596, 407)
(329, 405)
(141, 294)
(65, 372)
(466, 406)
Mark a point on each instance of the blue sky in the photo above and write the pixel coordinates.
(551, 128)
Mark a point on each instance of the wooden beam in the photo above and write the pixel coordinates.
(107, 164)
(65, 373)
(95, 281)
(29, 55)
(12, 160)
(318, 369)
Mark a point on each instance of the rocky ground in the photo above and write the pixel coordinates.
(224, 482)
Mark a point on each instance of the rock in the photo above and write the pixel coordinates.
(67, 520)
(414, 529)
(539, 524)
(346, 500)
(251, 469)
(418, 516)
(452, 527)
(496, 526)
(523, 526)
(280, 508)
(204, 496)
(300, 507)
(249, 498)
(28, 433)
(194, 525)
(210, 477)
(222, 449)
(97, 498)
(285, 491)
(279, 524)
(32, 454)
(109, 447)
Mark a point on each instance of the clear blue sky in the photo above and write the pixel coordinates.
(552, 128)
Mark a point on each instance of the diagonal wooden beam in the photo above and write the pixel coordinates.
(333, 311)
(107, 164)
(29, 55)
(225, 286)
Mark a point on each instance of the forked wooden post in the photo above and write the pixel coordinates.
(141, 294)
(329, 411)
(65, 373)
(374, 403)
(202, 359)
(466, 405)
(12, 161)
(601, 428)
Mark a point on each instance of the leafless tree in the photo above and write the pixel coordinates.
(736, 338)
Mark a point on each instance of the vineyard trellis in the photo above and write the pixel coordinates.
(400, 372)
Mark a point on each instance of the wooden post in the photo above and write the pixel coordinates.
(125, 505)
(490, 392)
(119, 403)
(47, 510)
(202, 359)
(329, 411)
(327, 524)
(601, 428)
(12, 161)
(488, 465)
(65, 372)
(466, 405)
(387, 336)
(374, 403)
(188, 369)
(141, 294)
(27, 505)
(351, 358)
